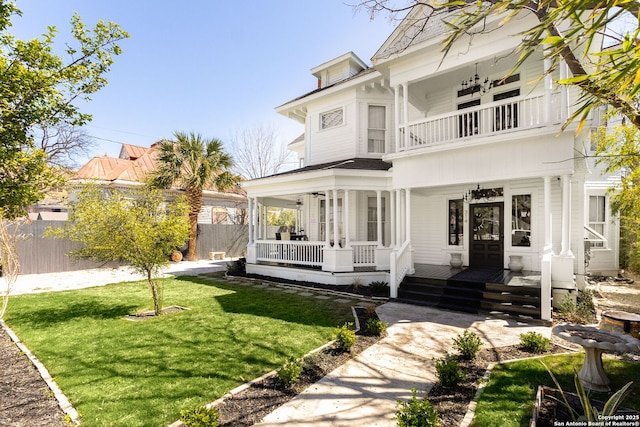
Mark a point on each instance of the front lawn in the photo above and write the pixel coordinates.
(142, 373)
(507, 400)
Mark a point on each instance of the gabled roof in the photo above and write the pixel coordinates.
(134, 164)
(132, 152)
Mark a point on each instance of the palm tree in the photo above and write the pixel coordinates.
(193, 163)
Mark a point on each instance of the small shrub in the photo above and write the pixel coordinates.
(468, 345)
(449, 372)
(416, 413)
(237, 267)
(356, 283)
(289, 373)
(533, 342)
(344, 336)
(379, 288)
(200, 417)
(581, 312)
(370, 310)
(375, 327)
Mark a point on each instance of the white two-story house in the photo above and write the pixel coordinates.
(428, 163)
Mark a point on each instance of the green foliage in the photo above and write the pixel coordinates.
(375, 327)
(194, 163)
(379, 288)
(416, 412)
(449, 372)
(534, 342)
(468, 345)
(289, 373)
(345, 336)
(590, 413)
(40, 88)
(619, 150)
(282, 217)
(137, 229)
(582, 311)
(200, 416)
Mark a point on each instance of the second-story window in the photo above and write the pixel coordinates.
(331, 118)
(377, 129)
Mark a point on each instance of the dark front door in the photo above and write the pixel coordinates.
(487, 235)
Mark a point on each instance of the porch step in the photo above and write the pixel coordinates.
(497, 299)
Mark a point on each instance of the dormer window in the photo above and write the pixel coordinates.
(331, 118)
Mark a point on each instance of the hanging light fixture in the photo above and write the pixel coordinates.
(473, 85)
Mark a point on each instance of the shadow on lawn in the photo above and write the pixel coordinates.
(278, 304)
(73, 310)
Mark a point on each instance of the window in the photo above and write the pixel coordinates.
(506, 115)
(456, 236)
(219, 215)
(468, 123)
(376, 134)
(323, 219)
(597, 221)
(521, 220)
(372, 219)
(331, 118)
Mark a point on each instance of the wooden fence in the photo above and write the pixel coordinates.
(44, 255)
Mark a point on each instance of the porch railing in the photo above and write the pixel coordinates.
(518, 113)
(400, 266)
(290, 252)
(364, 253)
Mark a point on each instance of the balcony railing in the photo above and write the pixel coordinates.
(518, 113)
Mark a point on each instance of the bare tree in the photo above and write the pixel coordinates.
(257, 152)
(64, 144)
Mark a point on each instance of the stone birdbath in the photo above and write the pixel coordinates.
(595, 342)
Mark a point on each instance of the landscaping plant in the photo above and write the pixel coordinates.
(345, 336)
(375, 327)
(137, 228)
(468, 345)
(289, 373)
(201, 416)
(449, 372)
(416, 412)
(534, 342)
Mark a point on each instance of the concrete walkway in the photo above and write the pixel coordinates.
(68, 280)
(363, 391)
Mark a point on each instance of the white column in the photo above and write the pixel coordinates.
(347, 216)
(327, 223)
(336, 237)
(405, 101)
(548, 87)
(564, 95)
(396, 93)
(547, 214)
(566, 215)
(392, 209)
(379, 217)
(399, 218)
(407, 211)
(250, 209)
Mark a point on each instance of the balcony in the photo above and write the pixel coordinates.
(500, 117)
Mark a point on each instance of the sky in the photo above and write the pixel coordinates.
(214, 67)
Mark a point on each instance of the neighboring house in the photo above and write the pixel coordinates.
(133, 165)
(405, 168)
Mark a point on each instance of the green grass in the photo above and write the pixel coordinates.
(507, 400)
(118, 372)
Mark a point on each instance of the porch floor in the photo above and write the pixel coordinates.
(477, 275)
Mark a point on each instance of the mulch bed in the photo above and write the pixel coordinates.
(26, 400)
